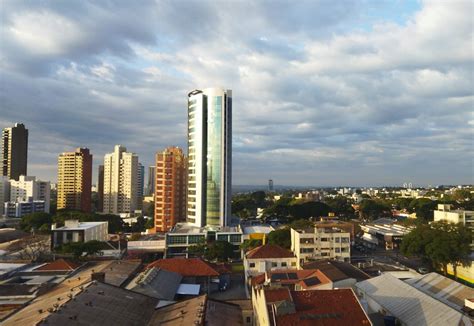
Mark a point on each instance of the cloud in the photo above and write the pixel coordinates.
(324, 93)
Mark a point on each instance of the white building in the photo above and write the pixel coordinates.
(27, 189)
(22, 208)
(75, 231)
(120, 181)
(210, 157)
(320, 243)
(4, 193)
(266, 258)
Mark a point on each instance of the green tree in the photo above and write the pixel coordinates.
(36, 221)
(424, 208)
(217, 250)
(462, 195)
(340, 205)
(301, 224)
(250, 244)
(280, 237)
(372, 209)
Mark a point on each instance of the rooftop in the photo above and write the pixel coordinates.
(258, 229)
(386, 229)
(156, 283)
(186, 267)
(76, 225)
(59, 265)
(188, 228)
(198, 311)
(337, 270)
(269, 251)
(305, 278)
(407, 303)
(118, 272)
(314, 307)
(103, 304)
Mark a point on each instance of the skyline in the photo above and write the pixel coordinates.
(359, 93)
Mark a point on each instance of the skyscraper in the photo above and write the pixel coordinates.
(100, 189)
(210, 157)
(141, 180)
(170, 193)
(151, 181)
(270, 185)
(15, 151)
(75, 180)
(120, 181)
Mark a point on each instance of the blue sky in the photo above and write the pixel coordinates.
(325, 92)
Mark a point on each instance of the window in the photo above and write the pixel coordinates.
(345, 240)
(283, 264)
(274, 264)
(177, 239)
(324, 239)
(252, 265)
(195, 239)
(248, 319)
(293, 263)
(222, 237)
(235, 238)
(337, 240)
(337, 250)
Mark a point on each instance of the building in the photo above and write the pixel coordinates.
(120, 181)
(294, 279)
(266, 258)
(341, 274)
(270, 185)
(184, 235)
(27, 189)
(15, 151)
(210, 157)
(140, 184)
(445, 213)
(170, 193)
(22, 208)
(75, 231)
(4, 193)
(100, 189)
(281, 306)
(151, 181)
(389, 296)
(75, 180)
(388, 236)
(320, 243)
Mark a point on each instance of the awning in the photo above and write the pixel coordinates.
(188, 289)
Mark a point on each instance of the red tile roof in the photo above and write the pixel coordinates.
(324, 307)
(269, 251)
(185, 266)
(58, 265)
(277, 294)
(301, 275)
(258, 279)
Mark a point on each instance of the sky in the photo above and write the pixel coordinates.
(325, 93)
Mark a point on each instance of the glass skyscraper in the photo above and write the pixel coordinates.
(210, 157)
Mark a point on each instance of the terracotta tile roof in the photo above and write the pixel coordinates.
(185, 266)
(293, 276)
(277, 294)
(258, 279)
(324, 307)
(269, 251)
(58, 265)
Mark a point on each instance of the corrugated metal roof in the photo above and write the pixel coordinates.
(408, 304)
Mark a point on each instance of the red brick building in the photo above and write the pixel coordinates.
(170, 188)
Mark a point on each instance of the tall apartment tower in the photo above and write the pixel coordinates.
(151, 181)
(210, 157)
(100, 189)
(120, 181)
(75, 180)
(15, 151)
(170, 192)
(140, 185)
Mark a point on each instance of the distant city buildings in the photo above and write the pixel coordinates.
(150, 188)
(4, 193)
(210, 157)
(75, 180)
(28, 189)
(170, 194)
(120, 181)
(14, 151)
(140, 184)
(270, 185)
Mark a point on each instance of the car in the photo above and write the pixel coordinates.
(423, 270)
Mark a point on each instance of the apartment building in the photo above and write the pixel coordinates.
(14, 151)
(320, 243)
(27, 189)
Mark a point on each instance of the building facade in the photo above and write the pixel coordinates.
(170, 192)
(22, 208)
(100, 189)
(75, 231)
(4, 193)
(15, 151)
(150, 188)
(140, 184)
(120, 181)
(210, 157)
(27, 189)
(75, 180)
(320, 243)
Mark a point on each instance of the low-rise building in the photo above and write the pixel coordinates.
(75, 231)
(266, 258)
(388, 236)
(320, 243)
(22, 208)
(341, 274)
(294, 279)
(280, 306)
(184, 235)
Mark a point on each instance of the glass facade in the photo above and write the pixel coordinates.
(214, 160)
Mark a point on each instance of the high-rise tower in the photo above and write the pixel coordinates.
(170, 193)
(210, 157)
(15, 151)
(75, 180)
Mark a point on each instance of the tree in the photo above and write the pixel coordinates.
(217, 250)
(340, 205)
(372, 209)
(301, 224)
(34, 248)
(281, 237)
(462, 195)
(424, 208)
(150, 223)
(309, 209)
(36, 221)
(250, 244)
(78, 249)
